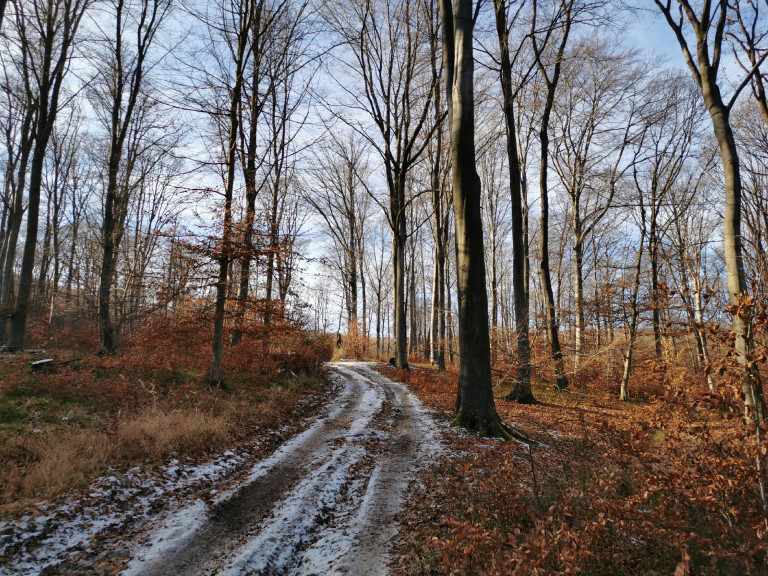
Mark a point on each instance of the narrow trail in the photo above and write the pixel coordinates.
(321, 504)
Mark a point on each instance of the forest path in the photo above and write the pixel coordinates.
(323, 503)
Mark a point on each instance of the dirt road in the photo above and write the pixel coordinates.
(321, 504)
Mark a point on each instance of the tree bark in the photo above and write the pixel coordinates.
(561, 381)
(475, 407)
(522, 391)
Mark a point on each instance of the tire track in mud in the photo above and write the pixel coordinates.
(322, 504)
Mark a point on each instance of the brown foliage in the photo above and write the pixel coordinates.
(59, 429)
(665, 484)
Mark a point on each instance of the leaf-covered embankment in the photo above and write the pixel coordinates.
(663, 484)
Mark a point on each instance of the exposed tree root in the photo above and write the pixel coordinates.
(490, 427)
(521, 395)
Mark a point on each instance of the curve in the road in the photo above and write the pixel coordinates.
(322, 504)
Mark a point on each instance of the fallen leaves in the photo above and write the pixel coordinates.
(662, 485)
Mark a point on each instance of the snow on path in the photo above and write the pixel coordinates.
(322, 504)
(69, 537)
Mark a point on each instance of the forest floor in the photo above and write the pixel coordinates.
(322, 503)
(663, 484)
(128, 464)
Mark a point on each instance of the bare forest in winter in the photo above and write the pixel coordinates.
(276, 276)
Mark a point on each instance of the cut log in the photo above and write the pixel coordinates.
(41, 365)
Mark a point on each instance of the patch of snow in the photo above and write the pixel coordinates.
(116, 500)
(175, 530)
(293, 523)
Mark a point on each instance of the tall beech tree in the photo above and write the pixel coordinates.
(18, 139)
(707, 22)
(46, 32)
(550, 67)
(475, 406)
(236, 21)
(283, 64)
(389, 43)
(122, 78)
(250, 158)
(522, 391)
(440, 215)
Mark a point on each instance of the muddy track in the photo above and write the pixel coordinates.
(321, 504)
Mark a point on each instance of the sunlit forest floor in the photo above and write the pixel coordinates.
(86, 414)
(663, 484)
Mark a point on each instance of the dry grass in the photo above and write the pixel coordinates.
(59, 430)
(58, 462)
(156, 434)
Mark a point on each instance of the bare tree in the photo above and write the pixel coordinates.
(376, 266)
(46, 31)
(673, 120)
(597, 115)
(388, 42)
(439, 197)
(118, 97)
(338, 195)
(522, 391)
(250, 157)
(230, 29)
(634, 308)
(60, 176)
(686, 247)
(288, 90)
(475, 406)
(549, 65)
(18, 140)
(707, 23)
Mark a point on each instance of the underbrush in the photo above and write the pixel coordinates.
(60, 429)
(663, 484)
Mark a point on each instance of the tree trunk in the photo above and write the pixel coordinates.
(55, 43)
(737, 284)
(598, 303)
(624, 388)
(704, 71)
(399, 236)
(15, 218)
(475, 407)
(21, 310)
(413, 340)
(522, 391)
(249, 177)
(546, 275)
(448, 309)
(578, 293)
(217, 356)
(437, 323)
(121, 118)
